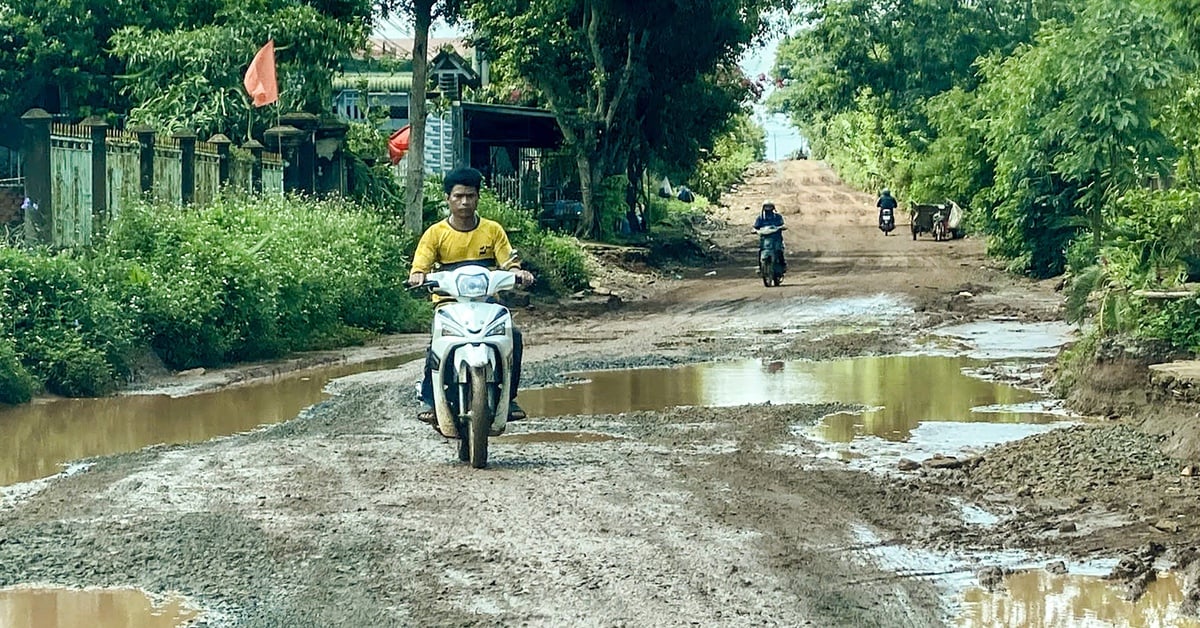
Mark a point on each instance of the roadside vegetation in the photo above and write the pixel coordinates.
(1066, 130)
(245, 278)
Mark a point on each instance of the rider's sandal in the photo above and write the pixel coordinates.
(425, 413)
(515, 413)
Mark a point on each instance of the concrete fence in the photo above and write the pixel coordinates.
(77, 176)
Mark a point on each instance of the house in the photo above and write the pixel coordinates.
(517, 148)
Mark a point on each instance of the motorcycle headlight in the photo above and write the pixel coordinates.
(471, 286)
(498, 329)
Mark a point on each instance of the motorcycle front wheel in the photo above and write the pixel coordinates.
(764, 269)
(481, 421)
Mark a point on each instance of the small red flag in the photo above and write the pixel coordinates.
(398, 143)
(260, 76)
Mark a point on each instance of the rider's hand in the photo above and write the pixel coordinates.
(416, 279)
(524, 277)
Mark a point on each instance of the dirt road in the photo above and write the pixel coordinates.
(354, 514)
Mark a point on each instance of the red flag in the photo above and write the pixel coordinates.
(398, 144)
(260, 76)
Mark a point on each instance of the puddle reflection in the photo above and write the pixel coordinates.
(35, 439)
(95, 608)
(1037, 599)
(903, 392)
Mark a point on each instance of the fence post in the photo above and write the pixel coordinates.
(39, 215)
(99, 168)
(306, 148)
(256, 151)
(145, 135)
(187, 166)
(222, 143)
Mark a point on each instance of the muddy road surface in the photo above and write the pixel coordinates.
(356, 514)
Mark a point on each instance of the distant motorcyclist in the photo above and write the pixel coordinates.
(887, 211)
(886, 201)
(770, 218)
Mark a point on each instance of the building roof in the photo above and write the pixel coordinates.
(402, 47)
(375, 81)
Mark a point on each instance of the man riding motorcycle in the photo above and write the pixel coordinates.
(769, 218)
(462, 238)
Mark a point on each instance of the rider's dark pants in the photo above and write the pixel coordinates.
(518, 350)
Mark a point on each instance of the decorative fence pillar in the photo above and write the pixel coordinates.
(187, 166)
(145, 137)
(306, 148)
(256, 151)
(38, 189)
(99, 129)
(222, 143)
(331, 170)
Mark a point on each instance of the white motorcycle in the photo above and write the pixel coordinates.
(472, 357)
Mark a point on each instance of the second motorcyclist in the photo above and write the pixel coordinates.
(770, 218)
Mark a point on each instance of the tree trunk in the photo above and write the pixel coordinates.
(590, 220)
(415, 178)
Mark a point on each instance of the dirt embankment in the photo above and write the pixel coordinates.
(356, 514)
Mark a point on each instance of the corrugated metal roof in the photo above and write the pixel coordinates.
(376, 82)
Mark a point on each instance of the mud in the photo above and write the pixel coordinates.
(356, 514)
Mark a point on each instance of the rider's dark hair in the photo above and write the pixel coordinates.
(469, 177)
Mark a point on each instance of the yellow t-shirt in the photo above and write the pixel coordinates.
(444, 244)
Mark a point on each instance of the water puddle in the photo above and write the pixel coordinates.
(991, 340)
(556, 437)
(95, 608)
(1039, 599)
(901, 392)
(36, 439)
(1030, 596)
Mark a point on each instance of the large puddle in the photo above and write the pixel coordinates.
(93, 608)
(1038, 599)
(901, 392)
(38, 438)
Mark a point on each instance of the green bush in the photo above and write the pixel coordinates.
(557, 261)
(16, 384)
(255, 278)
(73, 337)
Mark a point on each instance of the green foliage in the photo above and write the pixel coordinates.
(1154, 237)
(16, 384)
(1073, 361)
(245, 279)
(606, 68)
(864, 145)
(741, 144)
(673, 231)
(72, 336)
(557, 260)
(1062, 145)
(68, 57)
(191, 77)
(954, 164)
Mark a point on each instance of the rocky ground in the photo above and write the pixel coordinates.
(355, 514)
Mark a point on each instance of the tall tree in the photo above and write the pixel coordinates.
(423, 13)
(1072, 122)
(593, 60)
